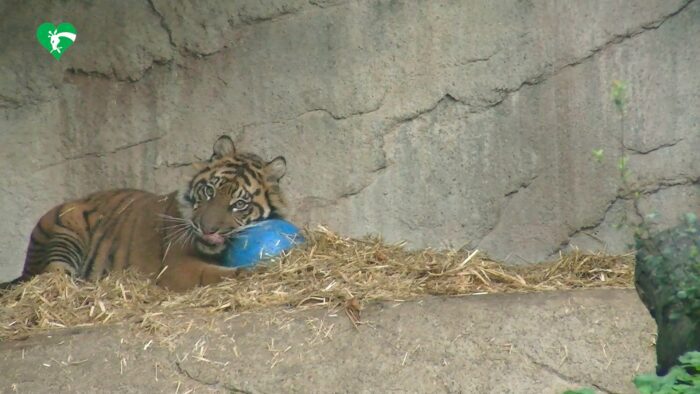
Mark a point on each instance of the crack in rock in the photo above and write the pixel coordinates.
(458, 64)
(541, 77)
(385, 164)
(544, 75)
(216, 383)
(335, 116)
(202, 55)
(648, 190)
(141, 73)
(566, 378)
(173, 165)
(113, 76)
(328, 112)
(376, 172)
(254, 20)
(251, 20)
(328, 3)
(467, 62)
(92, 73)
(637, 209)
(99, 154)
(616, 39)
(324, 202)
(447, 97)
(163, 23)
(585, 229)
(663, 184)
(654, 149)
(522, 186)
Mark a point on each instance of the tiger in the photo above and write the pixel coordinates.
(174, 238)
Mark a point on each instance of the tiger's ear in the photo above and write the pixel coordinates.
(275, 169)
(223, 147)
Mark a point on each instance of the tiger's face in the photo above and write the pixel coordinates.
(231, 191)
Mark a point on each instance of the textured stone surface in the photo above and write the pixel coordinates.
(528, 343)
(443, 123)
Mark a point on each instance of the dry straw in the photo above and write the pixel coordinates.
(330, 270)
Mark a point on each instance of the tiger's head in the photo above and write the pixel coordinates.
(232, 190)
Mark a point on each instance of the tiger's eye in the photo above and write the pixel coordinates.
(209, 191)
(239, 205)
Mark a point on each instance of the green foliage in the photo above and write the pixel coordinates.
(619, 91)
(681, 379)
(690, 294)
(622, 166)
(580, 391)
(669, 265)
(674, 258)
(619, 95)
(598, 155)
(622, 163)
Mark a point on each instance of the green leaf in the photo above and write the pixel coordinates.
(580, 391)
(678, 380)
(597, 155)
(622, 163)
(618, 94)
(690, 358)
(694, 252)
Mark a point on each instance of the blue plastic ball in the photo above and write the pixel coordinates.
(260, 242)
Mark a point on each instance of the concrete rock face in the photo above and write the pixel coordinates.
(543, 343)
(442, 123)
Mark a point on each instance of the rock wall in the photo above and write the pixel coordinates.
(443, 123)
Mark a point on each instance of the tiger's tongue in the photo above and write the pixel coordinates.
(214, 239)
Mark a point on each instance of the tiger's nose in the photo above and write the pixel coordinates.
(210, 233)
(208, 225)
(213, 238)
(208, 230)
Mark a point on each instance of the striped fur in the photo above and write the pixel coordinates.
(175, 237)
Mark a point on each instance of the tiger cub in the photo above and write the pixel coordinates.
(175, 237)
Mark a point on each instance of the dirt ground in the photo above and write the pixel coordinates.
(506, 343)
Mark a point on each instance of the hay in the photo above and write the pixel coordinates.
(330, 270)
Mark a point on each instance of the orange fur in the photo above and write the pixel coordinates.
(175, 237)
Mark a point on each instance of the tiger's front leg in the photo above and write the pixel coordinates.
(191, 272)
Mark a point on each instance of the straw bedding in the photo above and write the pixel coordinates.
(329, 271)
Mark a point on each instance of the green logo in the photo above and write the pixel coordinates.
(56, 39)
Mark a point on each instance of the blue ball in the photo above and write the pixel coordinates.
(261, 241)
